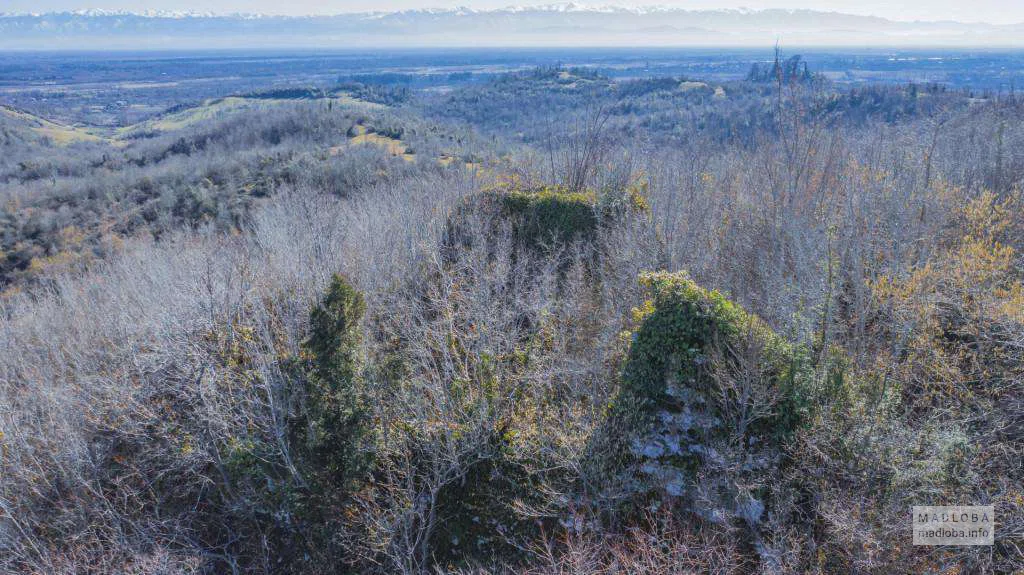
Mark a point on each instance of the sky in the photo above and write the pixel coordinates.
(992, 11)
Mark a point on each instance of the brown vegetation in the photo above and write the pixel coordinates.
(321, 387)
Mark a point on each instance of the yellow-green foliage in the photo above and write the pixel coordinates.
(538, 218)
(954, 314)
(541, 216)
(551, 213)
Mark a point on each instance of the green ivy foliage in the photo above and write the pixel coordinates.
(542, 216)
(538, 218)
(682, 326)
(551, 213)
(709, 393)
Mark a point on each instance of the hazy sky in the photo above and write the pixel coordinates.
(993, 11)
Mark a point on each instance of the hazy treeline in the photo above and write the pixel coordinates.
(349, 361)
(533, 106)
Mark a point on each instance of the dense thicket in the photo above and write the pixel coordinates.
(610, 349)
(533, 107)
(66, 206)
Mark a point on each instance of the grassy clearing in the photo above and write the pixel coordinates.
(448, 160)
(220, 107)
(394, 146)
(59, 134)
(209, 110)
(687, 86)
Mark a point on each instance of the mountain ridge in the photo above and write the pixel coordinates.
(567, 24)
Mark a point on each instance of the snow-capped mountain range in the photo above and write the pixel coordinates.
(565, 24)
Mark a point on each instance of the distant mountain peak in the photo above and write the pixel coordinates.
(569, 23)
(568, 7)
(555, 7)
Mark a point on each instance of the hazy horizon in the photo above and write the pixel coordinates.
(581, 26)
(981, 11)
